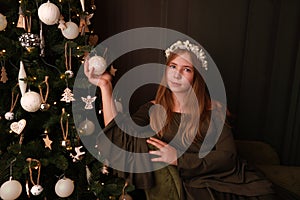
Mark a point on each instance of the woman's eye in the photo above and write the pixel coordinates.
(187, 69)
(172, 66)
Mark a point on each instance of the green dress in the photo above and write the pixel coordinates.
(218, 175)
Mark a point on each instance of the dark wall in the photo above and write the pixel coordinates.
(255, 44)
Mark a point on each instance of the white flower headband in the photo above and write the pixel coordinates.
(186, 45)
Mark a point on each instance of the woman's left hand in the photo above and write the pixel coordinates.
(166, 153)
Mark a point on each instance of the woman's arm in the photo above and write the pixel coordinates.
(104, 83)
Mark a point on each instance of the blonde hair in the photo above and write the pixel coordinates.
(192, 129)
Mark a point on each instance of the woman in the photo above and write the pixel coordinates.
(180, 125)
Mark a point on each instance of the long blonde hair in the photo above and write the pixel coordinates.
(193, 128)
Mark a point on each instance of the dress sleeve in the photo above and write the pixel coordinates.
(125, 151)
(220, 160)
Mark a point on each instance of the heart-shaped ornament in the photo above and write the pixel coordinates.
(18, 127)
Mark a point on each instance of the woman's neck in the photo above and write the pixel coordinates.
(179, 102)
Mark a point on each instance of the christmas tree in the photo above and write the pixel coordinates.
(42, 46)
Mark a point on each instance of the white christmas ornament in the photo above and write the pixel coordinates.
(31, 101)
(22, 75)
(3, 22)
(9, 116)
(18, 127)
(88, 102)
(36, 190)
(71, 31)
(49, 13)
(10, 190)
(64, 187)
(98, 63)
(86, 127)
(78, 154)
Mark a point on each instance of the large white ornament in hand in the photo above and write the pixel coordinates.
(98, 63)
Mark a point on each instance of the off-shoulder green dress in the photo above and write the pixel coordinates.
(218, 175)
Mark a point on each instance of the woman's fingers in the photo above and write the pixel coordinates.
(157, 143)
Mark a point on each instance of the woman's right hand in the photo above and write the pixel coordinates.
(102, 81)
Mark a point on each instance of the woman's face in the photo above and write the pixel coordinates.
(180, 73)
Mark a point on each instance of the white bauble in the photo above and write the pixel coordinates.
(86, 127)
(31, 101)
(64, 187)
(71, 32)
(69, 73)
(36, 190)
(98, 63)
(49, 13)
(9, 116)
(3, 22)
(10, 190)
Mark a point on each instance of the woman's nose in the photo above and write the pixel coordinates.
(177, 74)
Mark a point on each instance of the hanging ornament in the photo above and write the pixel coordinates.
(124, 195)
(64, 187)
(82, 5)
(93, 40)
(67, 96)
(48, 142)
(3, 22)
(22, 78)
(62, 23)
(78, 155)
(88, 102)
(86, 127)
(10, 189)
(18, 127)
(3, 75)
(84, 23)
(44, 105)
(97, 63)
(65, 130)
(21, 21)
(36, 188)
(29, 40)
(68, 61)
(31, 101)
(10, 115)
(112, 70)
(49, 13)
(71, 31)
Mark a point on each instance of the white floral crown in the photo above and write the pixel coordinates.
(186, 45)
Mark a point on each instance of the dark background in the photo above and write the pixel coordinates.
(255, 44)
